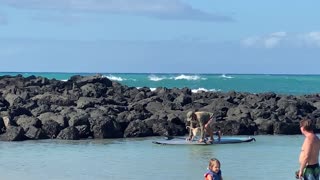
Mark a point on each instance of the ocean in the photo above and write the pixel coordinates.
(270, 157)
(253, 83)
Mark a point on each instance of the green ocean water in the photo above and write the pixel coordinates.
(253, 83)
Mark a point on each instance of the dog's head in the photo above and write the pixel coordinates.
(190, 115)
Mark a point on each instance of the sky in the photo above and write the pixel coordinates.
(160, 36)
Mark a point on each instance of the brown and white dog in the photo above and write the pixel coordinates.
(195, 131)
(204, 123)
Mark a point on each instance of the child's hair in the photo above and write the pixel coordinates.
(213, 162)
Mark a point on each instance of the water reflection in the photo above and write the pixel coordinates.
(199, 152)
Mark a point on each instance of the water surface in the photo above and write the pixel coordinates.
(270, 157)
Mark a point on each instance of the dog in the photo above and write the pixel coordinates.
(195, 132)
(204, 120)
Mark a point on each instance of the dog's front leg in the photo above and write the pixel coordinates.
(190, 137)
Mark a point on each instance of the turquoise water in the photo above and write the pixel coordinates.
(283, 84)
(270, 157)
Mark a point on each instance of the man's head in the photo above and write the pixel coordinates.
(190, 115)
(306, 124)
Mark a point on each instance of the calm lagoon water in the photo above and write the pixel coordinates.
(270, 157)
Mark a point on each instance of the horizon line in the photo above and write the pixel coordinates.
(193, 73)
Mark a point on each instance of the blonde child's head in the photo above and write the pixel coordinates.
(214, 165)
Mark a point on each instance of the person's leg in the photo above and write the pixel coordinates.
(218, 133)
(209, 132)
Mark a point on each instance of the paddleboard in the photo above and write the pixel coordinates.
(223, 140)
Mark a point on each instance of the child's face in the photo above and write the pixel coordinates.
(215, 168)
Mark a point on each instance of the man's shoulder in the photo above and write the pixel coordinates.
(316, 139)
(312, 139)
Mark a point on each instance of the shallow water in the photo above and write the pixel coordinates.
(270, 157)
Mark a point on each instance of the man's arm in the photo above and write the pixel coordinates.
(304, 156)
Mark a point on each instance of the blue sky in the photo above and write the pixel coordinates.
(160, 36)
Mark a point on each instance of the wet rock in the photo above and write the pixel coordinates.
(69, 133)
(13, 133)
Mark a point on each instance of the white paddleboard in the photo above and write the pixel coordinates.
(223, 140)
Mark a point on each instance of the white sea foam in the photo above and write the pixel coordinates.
(204, 89)
(65, 80)
(151, 89)
(214, 90)
(114, 78)
(156, 78)
(226, 76)
(192, 90)
(199, 89)
(188, 77)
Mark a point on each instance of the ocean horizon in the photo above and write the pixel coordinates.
(205, 73)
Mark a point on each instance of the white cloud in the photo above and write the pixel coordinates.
(279, 34)
(268, 41)
(167, 9)
(312, 38)
(271, 40)
(250, 41)
(274, 39)
(280, 39)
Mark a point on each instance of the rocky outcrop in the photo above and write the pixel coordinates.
(95, 107)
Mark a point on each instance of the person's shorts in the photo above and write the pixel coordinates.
(311, 172)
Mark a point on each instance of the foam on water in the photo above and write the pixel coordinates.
(114, 78)
(225, 76)
(156, 78)
(187, 77)
(203, 89)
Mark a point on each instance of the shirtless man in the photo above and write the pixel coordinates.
(204, 119)
(309, 162)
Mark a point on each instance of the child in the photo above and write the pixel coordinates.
(214, 172)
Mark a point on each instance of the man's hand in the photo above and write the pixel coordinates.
(300, 175)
